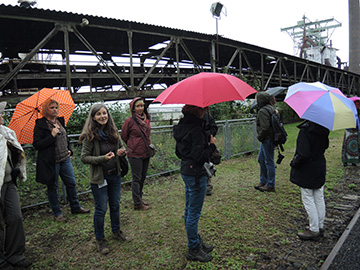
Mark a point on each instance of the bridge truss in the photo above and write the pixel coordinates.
(99, 58)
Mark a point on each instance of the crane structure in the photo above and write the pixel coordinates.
(312, 40)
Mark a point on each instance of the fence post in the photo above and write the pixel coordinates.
(227, 140)
(255, 137)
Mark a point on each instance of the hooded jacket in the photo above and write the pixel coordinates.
(308, 167)
(192, 145)
(132, 136)
(263, 119)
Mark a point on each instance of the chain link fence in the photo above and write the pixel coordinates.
(234, 138)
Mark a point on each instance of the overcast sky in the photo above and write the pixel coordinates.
(256, 22)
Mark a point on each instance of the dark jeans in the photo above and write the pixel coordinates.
(139, 168)
(102, 195)
(66, 172)
(267, 163)
(12, 236)
(194, 200)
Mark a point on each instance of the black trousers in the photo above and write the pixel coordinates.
(12, 236)
(139, 168)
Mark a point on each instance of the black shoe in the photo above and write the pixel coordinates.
(207, 248)
(208, 193)
(266, 189)
(259, 186)
(198, 254)
(24, 263)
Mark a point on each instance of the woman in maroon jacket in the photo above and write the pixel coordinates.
(135, 133)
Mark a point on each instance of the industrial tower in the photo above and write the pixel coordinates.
(312, 40)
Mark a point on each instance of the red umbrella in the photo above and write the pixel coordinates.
(28, 110)
(205, 89)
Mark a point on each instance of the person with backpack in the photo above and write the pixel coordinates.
(265, 136)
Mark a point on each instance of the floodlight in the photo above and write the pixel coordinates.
(216, 9)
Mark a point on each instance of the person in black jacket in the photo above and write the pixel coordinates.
(308, 170)
(53, 159)
(194, 149)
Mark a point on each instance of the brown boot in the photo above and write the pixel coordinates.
(144, 203)
(142, 207)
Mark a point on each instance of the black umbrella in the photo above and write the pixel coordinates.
(272, 92)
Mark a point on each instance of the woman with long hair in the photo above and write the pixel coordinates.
(54, 151)
(101, 148)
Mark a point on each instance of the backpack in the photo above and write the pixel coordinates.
(280, 135)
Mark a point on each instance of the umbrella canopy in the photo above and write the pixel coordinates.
(274, 91)
(355, 98)
(322, 104)
(27, 111)
(205, 89)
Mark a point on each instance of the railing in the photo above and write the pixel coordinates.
(234, 138)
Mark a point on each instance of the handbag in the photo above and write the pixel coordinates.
(151, 151)
(124, 165)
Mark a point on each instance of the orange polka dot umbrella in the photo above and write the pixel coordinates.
(27, 111)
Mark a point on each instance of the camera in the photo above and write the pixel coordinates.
(279, 158)
(210, 169)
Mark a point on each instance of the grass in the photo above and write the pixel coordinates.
(243, 224)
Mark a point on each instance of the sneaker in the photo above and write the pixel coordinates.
(60, 218)
(259, 186)
(119, 236)
(206, 247)
(198, 254)
(266, 189)
(24, 263)
(81, 211)
(141, 207)
(322, 231)
(309, 235)
(102, 246)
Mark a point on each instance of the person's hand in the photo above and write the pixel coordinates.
(121, 152)
(212, 139)
(55, 130)
(69, 153)
(109, 155)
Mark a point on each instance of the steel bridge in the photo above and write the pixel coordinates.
(118, 59)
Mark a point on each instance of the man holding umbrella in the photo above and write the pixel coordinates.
(265, 135)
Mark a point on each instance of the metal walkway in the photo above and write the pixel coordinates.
(119, 59)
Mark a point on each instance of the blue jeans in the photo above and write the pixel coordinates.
(194, 200)
(102, 195)
(267, 164)
(66, 172)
